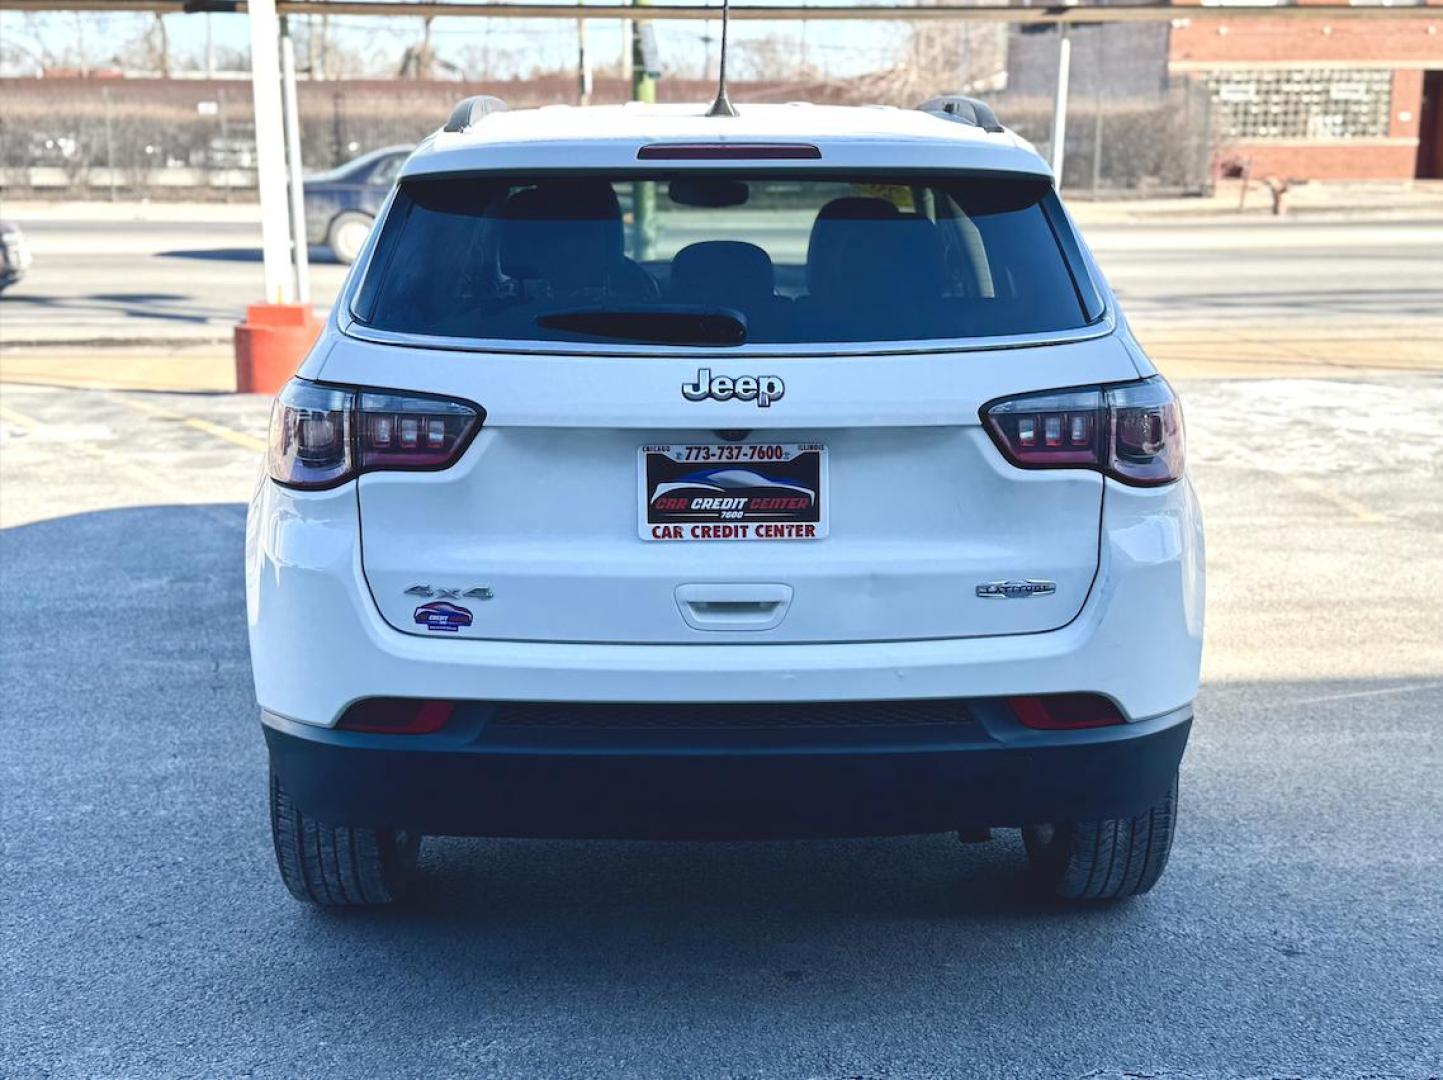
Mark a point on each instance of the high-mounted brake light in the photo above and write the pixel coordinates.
(1133, 432)
(733, 151)
(322, 436)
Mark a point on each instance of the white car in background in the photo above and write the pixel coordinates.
(666, 475)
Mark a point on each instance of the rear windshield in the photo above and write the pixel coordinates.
(714, 258)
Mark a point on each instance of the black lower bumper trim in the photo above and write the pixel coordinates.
(454, 785)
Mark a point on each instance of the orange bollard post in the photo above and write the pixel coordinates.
(271, 344)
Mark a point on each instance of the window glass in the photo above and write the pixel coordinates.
(1302, 103)
(384, 174)
(774, 258)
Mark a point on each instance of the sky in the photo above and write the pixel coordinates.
(514, 47)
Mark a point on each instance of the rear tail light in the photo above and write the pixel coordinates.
(412, 432)
(397, 716)
(1133, 432)
(310, 439)
(322, 436)
(1065, 712)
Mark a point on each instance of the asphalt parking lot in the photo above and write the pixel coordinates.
(1296, 933)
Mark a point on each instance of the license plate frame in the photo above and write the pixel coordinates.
(699, 492)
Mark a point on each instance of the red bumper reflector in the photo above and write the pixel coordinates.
(1065, 712)
(397, 716)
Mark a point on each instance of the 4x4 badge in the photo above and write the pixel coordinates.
(480, 592)
(763, 389)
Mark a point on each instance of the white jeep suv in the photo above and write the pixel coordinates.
(662, 475)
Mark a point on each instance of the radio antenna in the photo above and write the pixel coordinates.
(722, 106)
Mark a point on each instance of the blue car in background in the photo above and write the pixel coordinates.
(342, 204)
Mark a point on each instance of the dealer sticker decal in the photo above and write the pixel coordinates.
(733, 491)
(442, 616)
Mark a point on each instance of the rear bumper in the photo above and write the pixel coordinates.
(318, 642)
(471, 781)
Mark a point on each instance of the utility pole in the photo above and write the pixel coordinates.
(109, 143)
(81, 52)
(643, 88)
(628, 44)
(225, 150)
(1059, 103)
(1101, 75)
(643, 81)
(270, 150)
(583, 66)
(209, 48)
(293, 155)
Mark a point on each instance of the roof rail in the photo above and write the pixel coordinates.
(967, 110)
(472, 110)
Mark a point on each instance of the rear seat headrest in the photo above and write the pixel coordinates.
(729, 270)
(567, 232)
(828, 232)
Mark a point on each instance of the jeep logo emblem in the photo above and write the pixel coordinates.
(763, 389)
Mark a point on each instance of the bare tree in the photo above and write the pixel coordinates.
(73, 47)
(418, 60)
(940, 58)
(160, 47)
(312, 44)
(149, 50)
(773, 58)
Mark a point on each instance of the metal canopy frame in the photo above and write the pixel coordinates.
(1070, 14)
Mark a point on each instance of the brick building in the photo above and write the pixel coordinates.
(1309, 99)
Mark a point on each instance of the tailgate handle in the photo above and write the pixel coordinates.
(732, 606)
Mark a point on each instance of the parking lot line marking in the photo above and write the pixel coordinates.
(18, 418)
(1327, 494)
(144, 406)
(237, 438)
(219, 431)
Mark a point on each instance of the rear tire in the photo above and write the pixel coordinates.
(347, 236)
(339, 865)
(1109, 859)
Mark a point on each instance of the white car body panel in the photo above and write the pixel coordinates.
(880, 612)
(609, 136)
(924, 509)
(318, 642)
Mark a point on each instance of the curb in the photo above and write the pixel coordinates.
(10, 344)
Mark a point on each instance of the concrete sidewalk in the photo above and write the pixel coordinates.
(1316, 201)
(1267, 352)
(186, 367)
(132, 210)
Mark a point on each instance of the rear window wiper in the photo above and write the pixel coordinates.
(656, 324)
